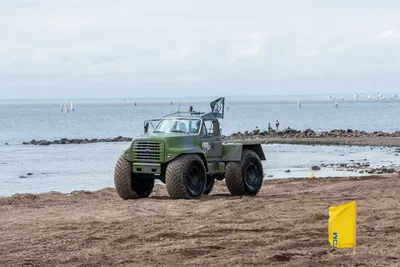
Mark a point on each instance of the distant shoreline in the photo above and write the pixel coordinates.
(287, 136)
(196, 100)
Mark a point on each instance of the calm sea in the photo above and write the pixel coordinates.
(66, 168)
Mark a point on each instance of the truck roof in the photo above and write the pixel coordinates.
(194, 115)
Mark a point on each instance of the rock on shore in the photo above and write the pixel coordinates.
(309, 133)
(286, 133)
(359, 167)
(64, 141)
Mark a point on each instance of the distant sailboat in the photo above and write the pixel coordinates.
(298, 103)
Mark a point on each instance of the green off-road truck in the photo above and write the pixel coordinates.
(185, 151)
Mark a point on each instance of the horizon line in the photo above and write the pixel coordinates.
(176, 97)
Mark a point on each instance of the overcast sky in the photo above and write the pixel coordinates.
(132, 48)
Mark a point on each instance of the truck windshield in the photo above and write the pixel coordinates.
(191, 126)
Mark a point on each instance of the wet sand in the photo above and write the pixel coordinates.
(285, 225)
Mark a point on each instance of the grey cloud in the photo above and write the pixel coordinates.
(122, 43)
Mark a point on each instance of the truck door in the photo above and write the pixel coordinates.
(211, 140)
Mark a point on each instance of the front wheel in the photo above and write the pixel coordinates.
(209, 185)
(128, 186)
(245, 177)
(186, 177)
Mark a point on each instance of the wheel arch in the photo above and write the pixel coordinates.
(256, 148)
(127, 154)
(203, 158)
(201, 155)
(234, 151)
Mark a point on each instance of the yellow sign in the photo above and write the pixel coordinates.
(342, 225)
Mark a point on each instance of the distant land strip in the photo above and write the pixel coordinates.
(286, 136)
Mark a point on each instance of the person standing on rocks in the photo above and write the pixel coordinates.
(277, 125)
(256, 130)
(269, 127)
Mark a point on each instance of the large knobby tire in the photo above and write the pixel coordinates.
(245, 177)
(127, 186)
(209, 185)
(186, 177)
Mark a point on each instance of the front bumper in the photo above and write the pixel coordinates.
(147, 168)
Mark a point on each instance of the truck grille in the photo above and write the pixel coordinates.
(148, 151)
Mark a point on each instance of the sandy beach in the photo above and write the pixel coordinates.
(285, 225)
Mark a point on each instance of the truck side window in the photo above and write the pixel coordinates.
(209, 129)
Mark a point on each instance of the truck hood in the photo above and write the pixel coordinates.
(171, 139)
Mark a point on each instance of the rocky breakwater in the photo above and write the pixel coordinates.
(309, 133)
(288, 133)
(362, 168)
(66, 141)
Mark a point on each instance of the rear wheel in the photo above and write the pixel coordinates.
(186, 177)
(245, 177)
(128, 186)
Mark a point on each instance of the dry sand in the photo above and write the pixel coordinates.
(285, 225)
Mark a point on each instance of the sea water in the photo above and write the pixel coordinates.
(65, 168)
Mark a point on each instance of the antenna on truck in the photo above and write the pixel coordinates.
(179, 107)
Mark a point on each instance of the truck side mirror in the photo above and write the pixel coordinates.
(146, 127)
